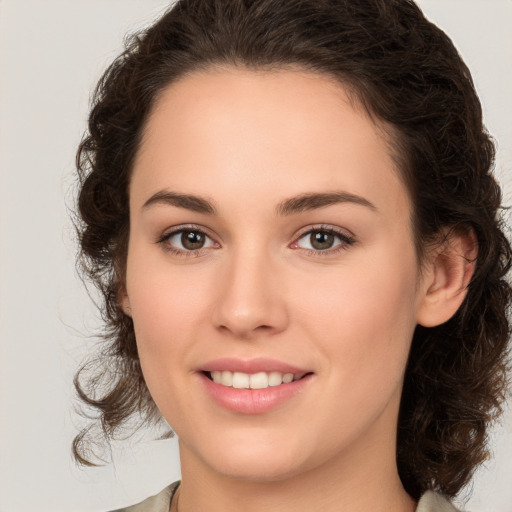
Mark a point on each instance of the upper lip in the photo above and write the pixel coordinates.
(250, 366)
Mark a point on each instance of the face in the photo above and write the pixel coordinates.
(271, 274)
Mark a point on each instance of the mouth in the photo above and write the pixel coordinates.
(259, 380)
(254, 386)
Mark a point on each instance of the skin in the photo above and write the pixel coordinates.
(246, 142)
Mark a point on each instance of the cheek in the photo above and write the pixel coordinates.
(164, 298)
(364, 319)
(165, 313)
(166, 305)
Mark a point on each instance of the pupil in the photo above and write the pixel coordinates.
(192, 240)
(321, 240)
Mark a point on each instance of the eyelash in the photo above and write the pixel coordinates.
(345, 241)
(164, 241)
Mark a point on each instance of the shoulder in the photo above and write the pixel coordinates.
(429, 502)
(158, 503)
(433, 502)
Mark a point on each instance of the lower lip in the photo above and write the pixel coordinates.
(253, 401)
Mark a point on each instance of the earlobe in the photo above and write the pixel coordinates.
(124, 302)
(450, 268)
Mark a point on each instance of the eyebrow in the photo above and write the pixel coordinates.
(313, 201)
(297, 204)
(187, 201)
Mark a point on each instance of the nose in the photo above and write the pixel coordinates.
(251, 299)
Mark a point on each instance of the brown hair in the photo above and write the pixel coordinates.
(407, 73)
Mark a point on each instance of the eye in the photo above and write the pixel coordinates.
(323, 240)
(187, 240)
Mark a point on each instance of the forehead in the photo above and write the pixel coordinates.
(229, 129)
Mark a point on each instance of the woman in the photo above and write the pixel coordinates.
(289, 209)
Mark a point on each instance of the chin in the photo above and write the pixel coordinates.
(260, 471)
(255, 461)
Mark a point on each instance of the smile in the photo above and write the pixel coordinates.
(255, 386)
(260, 380)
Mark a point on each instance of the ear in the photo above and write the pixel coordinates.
(124, 301)
(447, 273)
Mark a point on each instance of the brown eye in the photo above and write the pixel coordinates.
(192, 240)
(187, 241)
(321, 240)
(324, 240)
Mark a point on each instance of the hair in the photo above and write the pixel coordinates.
(408, 75)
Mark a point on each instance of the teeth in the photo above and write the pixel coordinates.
(241, 380)
(275, 378)
(226, 379)
(287, 378)
(260, 380)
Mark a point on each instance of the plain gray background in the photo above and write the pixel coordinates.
(51, 54)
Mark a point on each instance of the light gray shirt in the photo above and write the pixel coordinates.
(429, 502)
